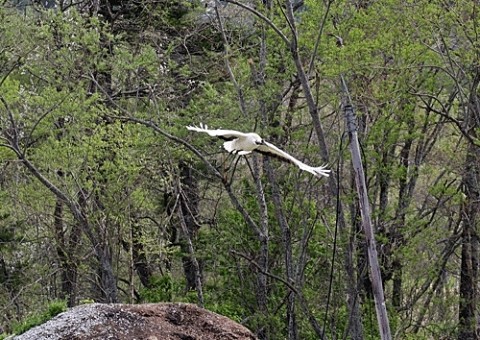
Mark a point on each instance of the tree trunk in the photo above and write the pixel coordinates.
(261, 291)
(67, 285)
(140, 261)
(189, 208)
(376, 278)
(397, 269)
(467, 313)
(108, 282)
(396, 237)
(467, 309)
(287, 248)
(66, 254)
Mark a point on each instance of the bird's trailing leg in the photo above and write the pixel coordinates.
(237, 158)
(230, 159)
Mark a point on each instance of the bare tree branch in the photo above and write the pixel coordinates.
(264, 18)
(319, 36)
(226, 51)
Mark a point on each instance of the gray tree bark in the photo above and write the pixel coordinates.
(468, 312)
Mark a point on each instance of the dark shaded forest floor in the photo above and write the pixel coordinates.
(161, 321)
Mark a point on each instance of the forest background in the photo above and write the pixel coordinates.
(105, 196)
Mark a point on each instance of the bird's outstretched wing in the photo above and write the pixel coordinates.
(224, 134)
(272, 150)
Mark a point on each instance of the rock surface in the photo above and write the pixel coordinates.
(160, 321)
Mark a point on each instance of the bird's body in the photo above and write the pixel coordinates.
(242, 143)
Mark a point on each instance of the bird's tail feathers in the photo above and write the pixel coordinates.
(321, 171)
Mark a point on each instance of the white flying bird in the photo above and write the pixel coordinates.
(241, 143)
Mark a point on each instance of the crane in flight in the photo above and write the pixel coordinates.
(242, 143)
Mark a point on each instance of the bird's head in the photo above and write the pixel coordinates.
(256, 139)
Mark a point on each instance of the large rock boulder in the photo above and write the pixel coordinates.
(159, 321)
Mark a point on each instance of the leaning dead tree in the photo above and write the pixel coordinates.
(376, 277)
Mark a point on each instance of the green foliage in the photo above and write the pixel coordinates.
(67, 77)
(161, 289)
(53, 309)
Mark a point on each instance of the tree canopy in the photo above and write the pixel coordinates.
(105, 196)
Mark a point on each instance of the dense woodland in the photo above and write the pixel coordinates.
(105, 196)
